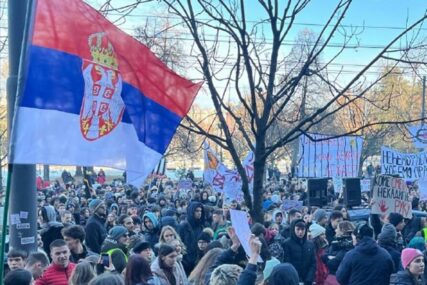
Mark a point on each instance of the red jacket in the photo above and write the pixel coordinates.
(56, 275)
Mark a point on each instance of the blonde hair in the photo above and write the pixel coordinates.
(226, 274)
(168, 228)
(82, 274)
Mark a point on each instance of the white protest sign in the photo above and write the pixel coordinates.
(406, 165)
(240, 223)
(338, 184)
(185, 184)
(422, 186)
(390, 195)
(292, 204)
(365, 185)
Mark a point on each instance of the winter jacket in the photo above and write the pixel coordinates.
(75, 257)
(151, 236)
(330, 233)
(95, 233)
(118, 253)
(177, 270)
(52, 229)
(189, 232)
(394, 253)
(248, 276)
(336, 252)
(56, 275)
(321, 268)
(404, 277)
(301, 254)
(283, 274)
(366, 264)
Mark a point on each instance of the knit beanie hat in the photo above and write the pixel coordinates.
(319, 214)
(205, 237)
(269, 265)
(388, 233)
(166, 249)
(143, 245)
(94, 205)
(417, 243)
(408, 255)
(117, 232)
(395, 218)
(316, 230)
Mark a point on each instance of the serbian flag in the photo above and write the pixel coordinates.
(94, 95)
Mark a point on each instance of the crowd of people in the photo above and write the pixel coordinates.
(159, 234)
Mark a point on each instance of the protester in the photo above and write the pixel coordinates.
(36, 263)
(95, 227)
(367, 263)
(138, 272)
(51, 229)
(59, 272)
(74, 236)
(413, 264)
(108, 278)
(164, 267)
(115, 246)
(16, 259)
(82, 274)
(18, 277)
(334, 219)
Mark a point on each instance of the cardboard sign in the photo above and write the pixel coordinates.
(391, 195)
(185, 184)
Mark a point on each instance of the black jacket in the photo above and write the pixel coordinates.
(95, 233)
(366, 264)
(189, 232)
(301, 254)
(336, 252)
(330, 233)
(404, 278)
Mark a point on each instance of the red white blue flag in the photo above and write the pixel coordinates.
(94, 95)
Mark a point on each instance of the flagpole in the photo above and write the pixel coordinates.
(5, 212)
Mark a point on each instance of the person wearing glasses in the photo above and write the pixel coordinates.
(115, 246)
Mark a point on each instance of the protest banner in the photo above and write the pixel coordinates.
(422, 186)
(365, 185)
(406, 165)
(337, 157)
(390, 195)
(240, 223)
(292, 204)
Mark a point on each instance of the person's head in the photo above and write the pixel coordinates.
(167, 234)
(36, 263)
(66, 217)
(344, 228)
(300, 229)
(316, 230)
(150, 221)
(74, 236)
(226, 274)
(39, 241)
(16, 258)
(413, 261)
(97, 207)
(111, 217)
(321, 217)
(82, 274)
(335, 218)
(362, 231)
(397, 220)
(417, 243)
(283, 274)
(143, 248)
(343, 211)
(278, 217)
(293, 215)
(108, 279)
(120, 234)
(137, 270)
(204, 264)
(18, 277)
(167, 256)
(127, 222)
(203, 240)
(218, 216)
(178, 245)
(198, 213)
(60, 253)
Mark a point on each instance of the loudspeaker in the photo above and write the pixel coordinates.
(352, 192)
(317, 192)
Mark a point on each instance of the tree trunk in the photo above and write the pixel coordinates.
(257, 212)
(46, 172)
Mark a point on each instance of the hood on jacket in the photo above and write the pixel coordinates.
(190, 213)
(114, 205)
(278, 211)
(292, 231)
(152, 218)
(367, 245)
(283, 274)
